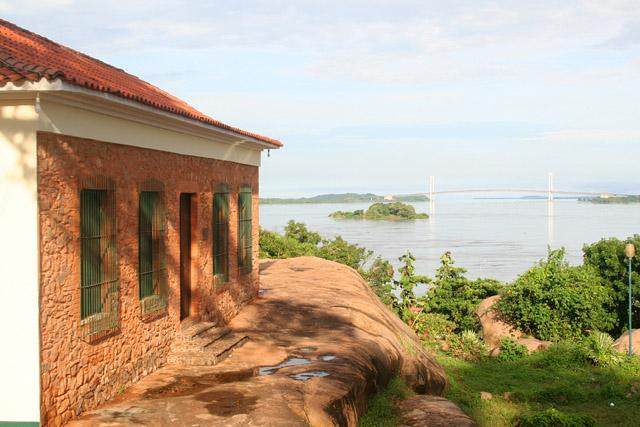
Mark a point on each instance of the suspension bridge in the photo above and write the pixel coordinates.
(550, 191)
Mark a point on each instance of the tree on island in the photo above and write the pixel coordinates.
(382, 211)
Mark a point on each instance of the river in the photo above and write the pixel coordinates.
(497, 238)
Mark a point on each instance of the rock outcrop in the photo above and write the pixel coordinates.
(493, 329)
(320, 344)
(433, 411)
(622, 343)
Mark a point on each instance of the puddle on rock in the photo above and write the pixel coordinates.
(188, 385)
(327, 357)
(305, 376)
(305, 349)
(227, 403)
(262, 291)
(292, 361)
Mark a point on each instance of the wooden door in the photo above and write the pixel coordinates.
(185, 255)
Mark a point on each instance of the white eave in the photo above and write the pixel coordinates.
(106, 103)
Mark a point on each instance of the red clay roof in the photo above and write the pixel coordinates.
(27, 56)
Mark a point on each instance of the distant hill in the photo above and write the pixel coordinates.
(344, 198)
(611, 200)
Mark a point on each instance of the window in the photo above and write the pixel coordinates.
(245, 249)
(221, 232)
(98, 264)
(151, 249)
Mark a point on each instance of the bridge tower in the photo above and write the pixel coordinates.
(550, 195)
(432, 187)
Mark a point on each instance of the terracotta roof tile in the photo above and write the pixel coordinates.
(26, 56)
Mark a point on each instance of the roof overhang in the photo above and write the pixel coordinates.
(105, 103)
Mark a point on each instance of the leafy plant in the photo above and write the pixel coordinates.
(457, 297)
(408, 306)
(600, 351)
(511, 350)
(555, 301)
(434, 326)
(607, 257)
(554, 418)
(380, 278)
(467, 346)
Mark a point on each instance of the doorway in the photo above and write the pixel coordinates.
(185, 255)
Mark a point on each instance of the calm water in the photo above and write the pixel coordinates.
(490, 238)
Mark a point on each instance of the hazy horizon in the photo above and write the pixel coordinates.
(375, 96)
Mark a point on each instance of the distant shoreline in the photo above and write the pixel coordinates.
(345, 198)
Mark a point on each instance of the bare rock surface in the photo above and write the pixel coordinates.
(433, 411)
(493, 329)
(320, 344)
(622, 343)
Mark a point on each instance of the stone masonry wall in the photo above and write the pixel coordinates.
(77, 374)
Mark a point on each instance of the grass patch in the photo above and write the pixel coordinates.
(557, 378)
(381, 409)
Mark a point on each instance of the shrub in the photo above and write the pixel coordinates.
(599, 349)
(408, 306)
(274, 245)
(608, 259)
(555, 301)
(434, 326)
(511, 350)
(467, 346)
(456, 296)
(380, 278)
(554, 418)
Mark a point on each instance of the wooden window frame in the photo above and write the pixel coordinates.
(99, 270)
(220, 227)
(152, 237)
(245, 229)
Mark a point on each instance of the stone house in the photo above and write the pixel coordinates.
(125, 215)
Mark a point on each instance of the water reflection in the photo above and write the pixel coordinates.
(550, 223)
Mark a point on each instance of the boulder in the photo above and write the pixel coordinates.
(622, 343)
(493, 329)
(432, 411)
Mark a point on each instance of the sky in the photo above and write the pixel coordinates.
(376, 96)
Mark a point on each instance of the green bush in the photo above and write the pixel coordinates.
(554, 418)
(434, 326)
(380, 278)
(599, 349)
(555, 301)
(408, 305)
(607, 257)
(457, 297)
(467, 346)
(511, 350)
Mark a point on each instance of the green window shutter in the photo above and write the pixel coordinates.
(245, 243)
(92, 225)
(151, 252)
(98, 258)
(221, 233)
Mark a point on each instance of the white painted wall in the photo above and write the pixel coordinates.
(19, 305)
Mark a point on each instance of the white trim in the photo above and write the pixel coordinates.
(106, 103)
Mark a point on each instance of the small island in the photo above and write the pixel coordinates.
(395, 211)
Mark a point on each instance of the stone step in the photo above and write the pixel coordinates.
(209, 355)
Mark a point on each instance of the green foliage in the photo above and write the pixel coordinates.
(299, 232)
(467, 346)
(274, 245)
(380, 278)
(381, 408)
(608, 258)
(599, 349)
(559, 376)
(457, 297)
(433, 326)
(382, 211)
(408, 305)
(511, 350)
(346, 253)
(555, 301)
(554, 418)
